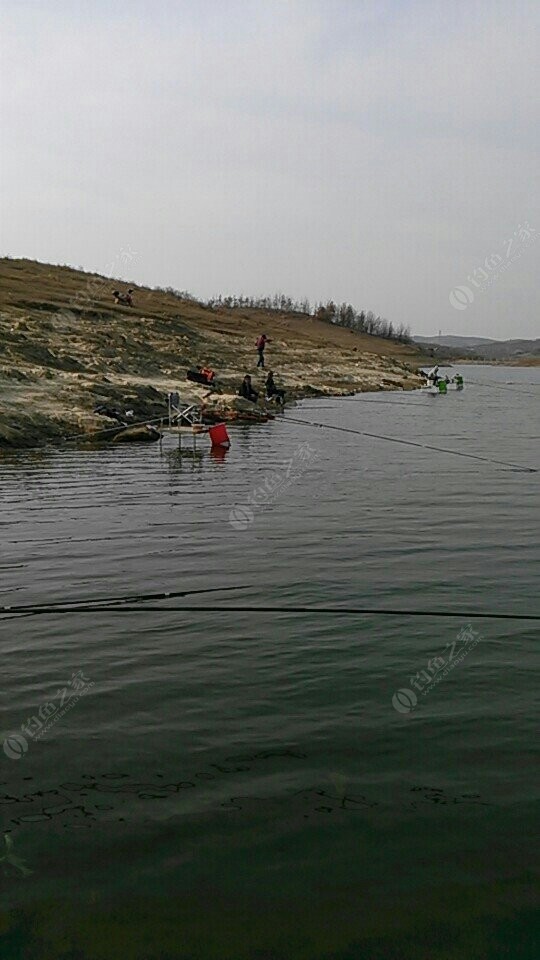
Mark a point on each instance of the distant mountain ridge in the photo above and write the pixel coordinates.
(452, 341)
(482, 347)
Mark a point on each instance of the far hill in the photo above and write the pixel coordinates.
(454, 341)
(480, 348)
(65, 347)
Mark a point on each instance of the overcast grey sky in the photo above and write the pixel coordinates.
(373, 152)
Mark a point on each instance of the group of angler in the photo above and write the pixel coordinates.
(247, 391)
(207, 376)
(272, 392)
(433, 378)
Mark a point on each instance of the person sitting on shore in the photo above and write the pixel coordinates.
(113, 414)
(272, 392)
(246, 390)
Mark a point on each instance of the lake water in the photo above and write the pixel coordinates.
(265, 785)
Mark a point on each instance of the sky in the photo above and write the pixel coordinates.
(380, 153)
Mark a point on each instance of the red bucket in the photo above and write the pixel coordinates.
(219, 436)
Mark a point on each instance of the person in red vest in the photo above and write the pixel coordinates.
(260, 344)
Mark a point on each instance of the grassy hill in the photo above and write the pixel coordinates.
(66, 347)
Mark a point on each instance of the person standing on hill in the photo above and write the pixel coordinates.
(260, 344)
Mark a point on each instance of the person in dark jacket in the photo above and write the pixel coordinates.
(246, 390)
(272, 391)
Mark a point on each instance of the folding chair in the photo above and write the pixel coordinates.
(183, 414)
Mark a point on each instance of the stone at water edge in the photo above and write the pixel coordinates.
(146, 434)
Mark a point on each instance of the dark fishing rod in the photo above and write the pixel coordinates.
(411, 443)
(73, 605)
(295, 611)
(380, 403)
(503, 386)
(94, 437)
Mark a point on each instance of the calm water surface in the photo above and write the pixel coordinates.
(246, 785)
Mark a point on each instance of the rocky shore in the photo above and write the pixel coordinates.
(66, 348)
